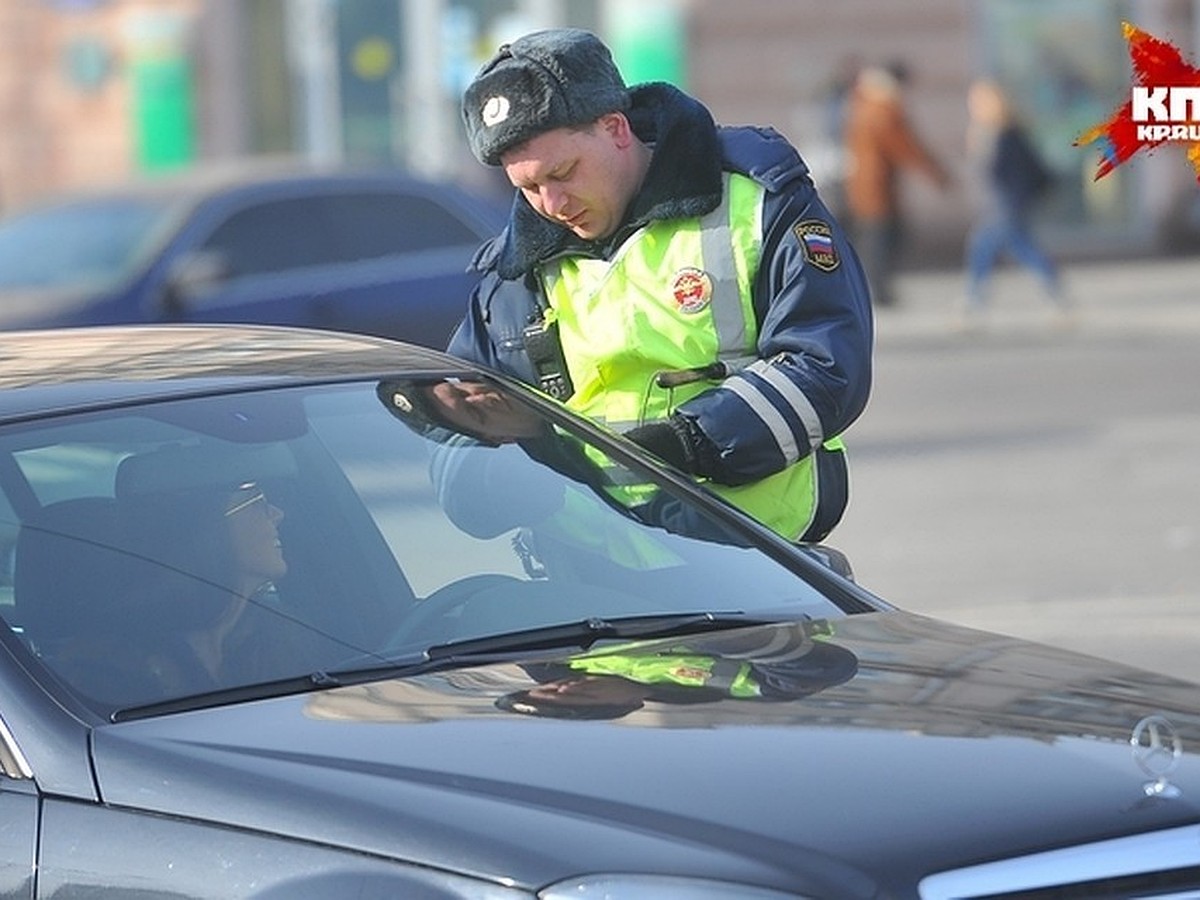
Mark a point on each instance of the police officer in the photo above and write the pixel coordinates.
(678, 281)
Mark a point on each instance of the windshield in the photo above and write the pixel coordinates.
(192, 546)
(78, 245)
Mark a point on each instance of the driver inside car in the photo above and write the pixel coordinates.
(202, 558)
(211, 558)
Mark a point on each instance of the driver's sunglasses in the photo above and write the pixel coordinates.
(245, 496)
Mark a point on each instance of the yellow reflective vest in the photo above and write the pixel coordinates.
(675, 297)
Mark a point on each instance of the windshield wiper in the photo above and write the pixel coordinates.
(584, 633)
(227, 696)
(580, 634)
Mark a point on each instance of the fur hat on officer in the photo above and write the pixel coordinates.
(545, 80)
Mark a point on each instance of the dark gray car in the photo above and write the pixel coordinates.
(303, 615)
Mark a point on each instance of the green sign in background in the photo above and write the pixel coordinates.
(649, 43)
(163, 110)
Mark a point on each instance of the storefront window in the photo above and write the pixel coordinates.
(370, 64)
(1063, 62)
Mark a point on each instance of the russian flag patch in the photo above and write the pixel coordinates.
(816, 239)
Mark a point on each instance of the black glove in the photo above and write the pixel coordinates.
(677, 441)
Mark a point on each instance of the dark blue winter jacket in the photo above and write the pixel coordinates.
(814, 317)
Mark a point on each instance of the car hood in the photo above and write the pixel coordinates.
(946, 747)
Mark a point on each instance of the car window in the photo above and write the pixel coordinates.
(293, 233)
(275, 236)
(188, 546)
(80, 244)
(373, 225)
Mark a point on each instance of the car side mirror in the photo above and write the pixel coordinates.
(831, 558)
(190, 276)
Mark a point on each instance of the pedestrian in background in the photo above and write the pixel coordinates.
(881, 144)
(1010, 178)
(829, 170)
(680, 282)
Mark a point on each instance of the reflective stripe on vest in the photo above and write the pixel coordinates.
(677, 296)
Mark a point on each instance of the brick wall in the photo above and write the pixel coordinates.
(64, 94)
(768, 62)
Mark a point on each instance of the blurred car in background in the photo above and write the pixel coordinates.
(381, 253)
(306, 616)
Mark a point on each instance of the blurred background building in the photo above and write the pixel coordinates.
(99, 90)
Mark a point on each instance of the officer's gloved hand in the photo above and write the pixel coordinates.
(677, 441)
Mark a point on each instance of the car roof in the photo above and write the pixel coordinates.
(188, 186)
(69, 369)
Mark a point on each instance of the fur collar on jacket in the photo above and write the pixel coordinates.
(684, 180)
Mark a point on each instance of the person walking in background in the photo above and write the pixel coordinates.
(830, 169)
(1011, 178)
(880, 145)
(680, 282)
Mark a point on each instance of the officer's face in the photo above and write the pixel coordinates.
(583, 179)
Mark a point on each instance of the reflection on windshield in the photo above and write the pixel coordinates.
(481, 497)
(79, 245)
(205, 544)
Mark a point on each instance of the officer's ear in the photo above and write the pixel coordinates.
(616, 126)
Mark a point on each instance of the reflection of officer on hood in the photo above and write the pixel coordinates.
(765, 664)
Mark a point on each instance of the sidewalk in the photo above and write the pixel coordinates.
(1037, 481)
(1129, 297)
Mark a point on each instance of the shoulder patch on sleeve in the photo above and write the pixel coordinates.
(816, 240)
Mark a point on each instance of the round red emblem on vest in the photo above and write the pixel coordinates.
(692, 289)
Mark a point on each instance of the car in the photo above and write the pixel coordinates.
(291, 613)
(268, 241)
